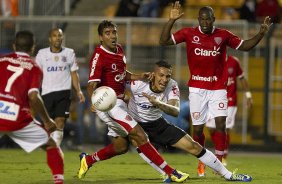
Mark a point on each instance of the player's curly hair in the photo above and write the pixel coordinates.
(105, 24)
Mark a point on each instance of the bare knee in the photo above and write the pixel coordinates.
(198, 130)
(138, 135)
(220, 123)
(120, 145)
(50, 144)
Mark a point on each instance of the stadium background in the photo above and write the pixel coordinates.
(259, 128)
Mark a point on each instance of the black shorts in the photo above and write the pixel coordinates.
(58, 103)
(162, 133)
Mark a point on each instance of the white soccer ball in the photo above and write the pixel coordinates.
(104, 98)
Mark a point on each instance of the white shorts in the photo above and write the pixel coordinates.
(119, 122)
(29, 137)
(206, 104)
(230, 120)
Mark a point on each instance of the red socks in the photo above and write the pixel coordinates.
(200, 139)
(56, 164)
(150, 152)
(103, 154)
(219, 142)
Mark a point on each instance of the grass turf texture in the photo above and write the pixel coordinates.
(18, 167)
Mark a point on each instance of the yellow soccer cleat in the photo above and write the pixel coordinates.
(83, 166)
(178, 176)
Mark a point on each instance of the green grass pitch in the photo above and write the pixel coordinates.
(18, 167)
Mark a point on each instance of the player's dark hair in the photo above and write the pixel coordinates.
(164, 64)
(207, 9)
(105, 24)
(24, 41)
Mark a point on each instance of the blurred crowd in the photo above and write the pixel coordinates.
(251, 10)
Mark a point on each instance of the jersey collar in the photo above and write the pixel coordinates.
(22, 54)
(110, 52)
(199, 27)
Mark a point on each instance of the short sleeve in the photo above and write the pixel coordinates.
(74, 65)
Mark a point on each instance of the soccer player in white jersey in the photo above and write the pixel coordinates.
(108, 68)
(206, 52)
(234, 71)
(147, 102)
(19, 93)
(59, 68)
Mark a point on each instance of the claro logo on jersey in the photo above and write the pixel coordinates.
(94, 62)
(203, 52)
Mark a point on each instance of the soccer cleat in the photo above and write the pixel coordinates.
(201, 169)
(166, 179)
(240, 177)
(178, 176)
(224, 162)
(83, 166)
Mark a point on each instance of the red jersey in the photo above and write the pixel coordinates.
(109, 69)
(19, 76)
(234, 70)
(206, 55)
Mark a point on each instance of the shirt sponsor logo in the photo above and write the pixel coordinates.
(120, 77)
(196, 40)
(56, 68)
(203, 52)
(145, 105)
(94, 62)
(9, 111)
(201, 78)
(230, 81)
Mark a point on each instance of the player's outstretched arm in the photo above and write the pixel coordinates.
(37, 105)
(171, 108)
(251, 43)
(175, 13)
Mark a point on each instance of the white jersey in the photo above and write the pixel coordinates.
(57, 68)
(139, 106)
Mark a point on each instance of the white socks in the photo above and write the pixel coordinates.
(211, 161)
(58, 135)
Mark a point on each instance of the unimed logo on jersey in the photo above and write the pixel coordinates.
(203, 52)
(9, 111)
(94, 62)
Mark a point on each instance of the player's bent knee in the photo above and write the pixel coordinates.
(51, 143)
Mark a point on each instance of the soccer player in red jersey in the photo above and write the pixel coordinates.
(108, 68)
(234, 71)
(19, 93)
(206, 52)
